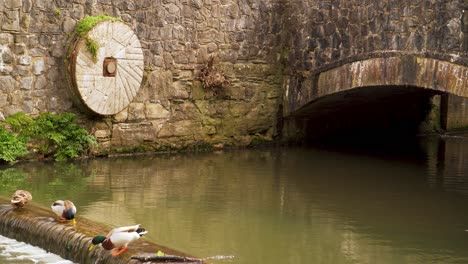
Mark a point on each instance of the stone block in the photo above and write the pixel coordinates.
(7, 83)
(21, 70)
(156, 111)
(122, 116)
(26, 83)
(6, 38)
(68, 24)
(38, 66)
(7, 55)
(13, 4)
(179, 129)
(457, 113)
(11, 22)
(136, 111)
(133, 134)
(27, 106)
(41, 83)
(27, 5)
(7, 69)
(102, 134)
(11, 110)
(20, 48)
(24, 60)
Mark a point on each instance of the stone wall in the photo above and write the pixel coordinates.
(171, 109)
(457, 110)
(264, 47)
(335, 32)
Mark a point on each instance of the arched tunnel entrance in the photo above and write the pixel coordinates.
(376, 100)
(370, 116)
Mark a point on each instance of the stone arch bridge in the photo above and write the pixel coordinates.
(375, 57)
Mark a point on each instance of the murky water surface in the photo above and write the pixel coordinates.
(298, 205)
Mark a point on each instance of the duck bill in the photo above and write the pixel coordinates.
(91, 247)
(73, 222)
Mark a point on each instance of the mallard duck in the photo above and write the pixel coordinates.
(20, 198)
(65, 211)
(118, 238)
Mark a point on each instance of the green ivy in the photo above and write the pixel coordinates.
(52, 134)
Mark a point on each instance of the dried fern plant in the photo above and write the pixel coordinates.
(212, 78)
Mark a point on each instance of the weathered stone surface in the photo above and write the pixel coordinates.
(24, 60)
(11, 21)
(6, 38)
(179, 129)
(136, 111)
(41, 83)
(12, 4)
(122, 116)
(7, 83)
(27, 5)
(380, 72)
(131, 134)
(68, 24)
(7, 55)
(38, 66)
(26, 83)
(156, 111)
(102, 134)
(20, 48)
(3, 100)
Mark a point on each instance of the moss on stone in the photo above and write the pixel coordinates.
(87, 23)
(93, 48)
(260, 141)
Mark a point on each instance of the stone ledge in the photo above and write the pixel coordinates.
(36, 226)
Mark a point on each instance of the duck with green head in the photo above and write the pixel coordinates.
(118, 238)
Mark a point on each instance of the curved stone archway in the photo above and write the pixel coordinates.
(402, 71)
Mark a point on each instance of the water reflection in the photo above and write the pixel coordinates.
(275, 206)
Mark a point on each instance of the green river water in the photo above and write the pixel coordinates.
(289, 206)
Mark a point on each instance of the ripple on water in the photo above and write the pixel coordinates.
(13, 251)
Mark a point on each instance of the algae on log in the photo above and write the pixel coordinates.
(36, 226)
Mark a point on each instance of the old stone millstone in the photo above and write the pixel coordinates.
(107, 84)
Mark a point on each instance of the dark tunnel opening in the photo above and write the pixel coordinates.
(371, 119)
